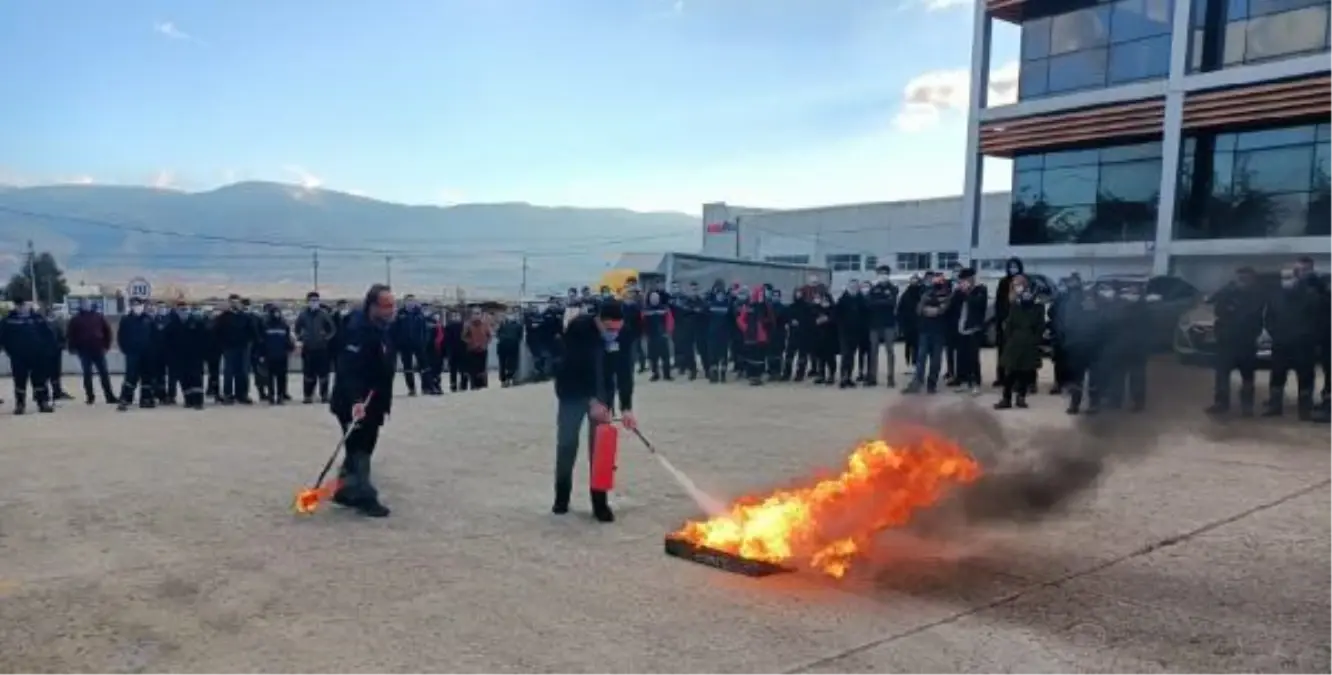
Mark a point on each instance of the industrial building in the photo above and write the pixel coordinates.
(1182, 136)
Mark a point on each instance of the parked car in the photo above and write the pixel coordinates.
(1174, 298)
(1194, 341)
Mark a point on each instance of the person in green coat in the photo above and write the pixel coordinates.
(1021, 354)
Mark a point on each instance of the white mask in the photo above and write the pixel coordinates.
(882, 279)
(136, 309)
(314, 304)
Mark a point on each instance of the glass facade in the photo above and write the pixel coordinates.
(1091, 196)
(1095, 46)
(1270, 182)
(1236, 32)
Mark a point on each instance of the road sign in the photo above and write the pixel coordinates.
(139, 287)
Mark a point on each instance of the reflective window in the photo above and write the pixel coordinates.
(947, 259)
(913, 262)
(1264, 183)
(1086, 196)
(1234, 32)
(1109, 43)
(843, 262)
(789, 259)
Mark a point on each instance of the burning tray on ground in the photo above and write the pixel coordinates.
(728, 562)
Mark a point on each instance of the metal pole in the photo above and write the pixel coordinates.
(32, 272)
(315, 262)
(522, 291)
(388, 270)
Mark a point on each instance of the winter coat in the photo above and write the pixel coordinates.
(89, 332)
(1023, 329)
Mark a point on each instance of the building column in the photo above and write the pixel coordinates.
(975, 175)
(1172, 136)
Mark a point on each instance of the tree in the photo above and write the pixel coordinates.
(51, 285)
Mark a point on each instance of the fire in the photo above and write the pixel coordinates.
(825, 525)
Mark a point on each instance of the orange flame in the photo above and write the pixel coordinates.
(307, 500)
(825, 525)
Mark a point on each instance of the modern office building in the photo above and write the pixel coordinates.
(1183, 136)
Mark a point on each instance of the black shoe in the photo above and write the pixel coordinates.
(91, 400)
(871, 383)
(122, 407)
(1021, 401)
(62, 396)
(693, 375)
(1056, 390)
(668, 378)
(45, 407)
(892, 383)
(20, 408)
(755, 381)
(1072, 410)
(655, 378)
(1272, 411)
(147, 405)
(1003, 404)
(411, 392)
(372, 508)
(307, 400)
(245, 401)
(601, 509)
(1216, 409)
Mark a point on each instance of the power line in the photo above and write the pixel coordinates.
(569, 248)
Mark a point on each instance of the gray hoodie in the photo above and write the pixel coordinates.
(314, 328)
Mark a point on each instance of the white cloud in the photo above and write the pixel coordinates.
(169, 30)
(304, 178)
(930, 96)
(164, 180)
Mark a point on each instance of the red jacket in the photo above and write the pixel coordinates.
(755, 318)
(89, 332)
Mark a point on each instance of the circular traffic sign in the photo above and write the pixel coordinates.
(139, 287)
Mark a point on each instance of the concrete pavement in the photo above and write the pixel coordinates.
(164, 541)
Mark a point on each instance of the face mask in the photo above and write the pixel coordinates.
(136, 309)
(881, 279)
(1130, 297)
(313, 304)
(1012, 269)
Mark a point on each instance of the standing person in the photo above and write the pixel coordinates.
(754, 321)
(174, 337)
(973, 301)
(90, 339)
(536, 339)
(633, 323)
(432, 373)
(456, 351)
(477, 336)
(718, 337)
(1129, 348)
(235, 336)
(594, 369)
(363, 397)
(155, 358)
(688, 313)
(1304, 268)
(409, 331)
(193, 352)
(825, 322)
(1024, 324)
(134, 337)
(803, 335)
(952, 337)
(881, 315)
(657, 332)
(781, 334)
(212, 356)
(278, 346)
(508, 343)
(1239, 321)
(907, 319)
(1003, 299)
(56, 365)
(863, 342)
(551, 329)
(28, 340)
(932, 319)
(850, 317)
(1078, 329)
(1292, 322)
(315, 329)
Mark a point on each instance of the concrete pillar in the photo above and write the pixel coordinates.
(1172, 137)
(975, 174)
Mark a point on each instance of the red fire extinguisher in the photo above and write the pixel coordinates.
(605, 448)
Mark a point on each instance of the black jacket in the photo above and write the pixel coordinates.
(1001, 300)
(1239, 316)
(850, 312)
(933, 310)
(236, 329)
(367, 363)
(908, 307)
(881, 306)
(589, 367)
(971, 308)
(1292, 316)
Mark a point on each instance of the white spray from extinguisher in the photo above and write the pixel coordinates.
(709, 504)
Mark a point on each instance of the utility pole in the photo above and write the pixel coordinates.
(32, 272)
(315, 263)
(522, 290)
(388, 270)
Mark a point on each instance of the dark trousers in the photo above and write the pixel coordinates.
(1020, 382)
(27, 372)
(277, 377)
(1126, 375)
(569, 417)
(54, 369)
(659, 354)
(968, 359)
(1082, 376)
(434, 371)
(825, 365)
(849, 345)
(999, 351)
(1292, 357)
(154, 374)
(1324, 364)
(507, 353)
(929, 359)
(236, 374)
(1241, 358)
(314, 371)
(951, 340)
(356, 486)
(795, 358)
(685, 361)
(775, 352)
(458, 377)
(1059, 355)
(132, 380)
(755, 359)
(910, 341)
(409, 363)
(213, 363)
(476, 368)
(714, 355)
(190, 372)
(95, 361)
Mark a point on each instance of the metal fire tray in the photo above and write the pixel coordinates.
(727, 562)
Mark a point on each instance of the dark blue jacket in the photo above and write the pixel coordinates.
(366, 364)
(719, 305)
(134, 335)
(881, 306)
(937, 301)
(235, 329)
(409, 330)
(27, 336)
(277, 338)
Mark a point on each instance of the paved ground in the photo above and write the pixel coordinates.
(164, 541)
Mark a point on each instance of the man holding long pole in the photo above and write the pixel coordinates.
(366, 364)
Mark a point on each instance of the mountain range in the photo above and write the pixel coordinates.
(263, 238)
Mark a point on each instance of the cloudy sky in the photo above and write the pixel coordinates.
(646, 104)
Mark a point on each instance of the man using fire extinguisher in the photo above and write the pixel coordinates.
(594, 364)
